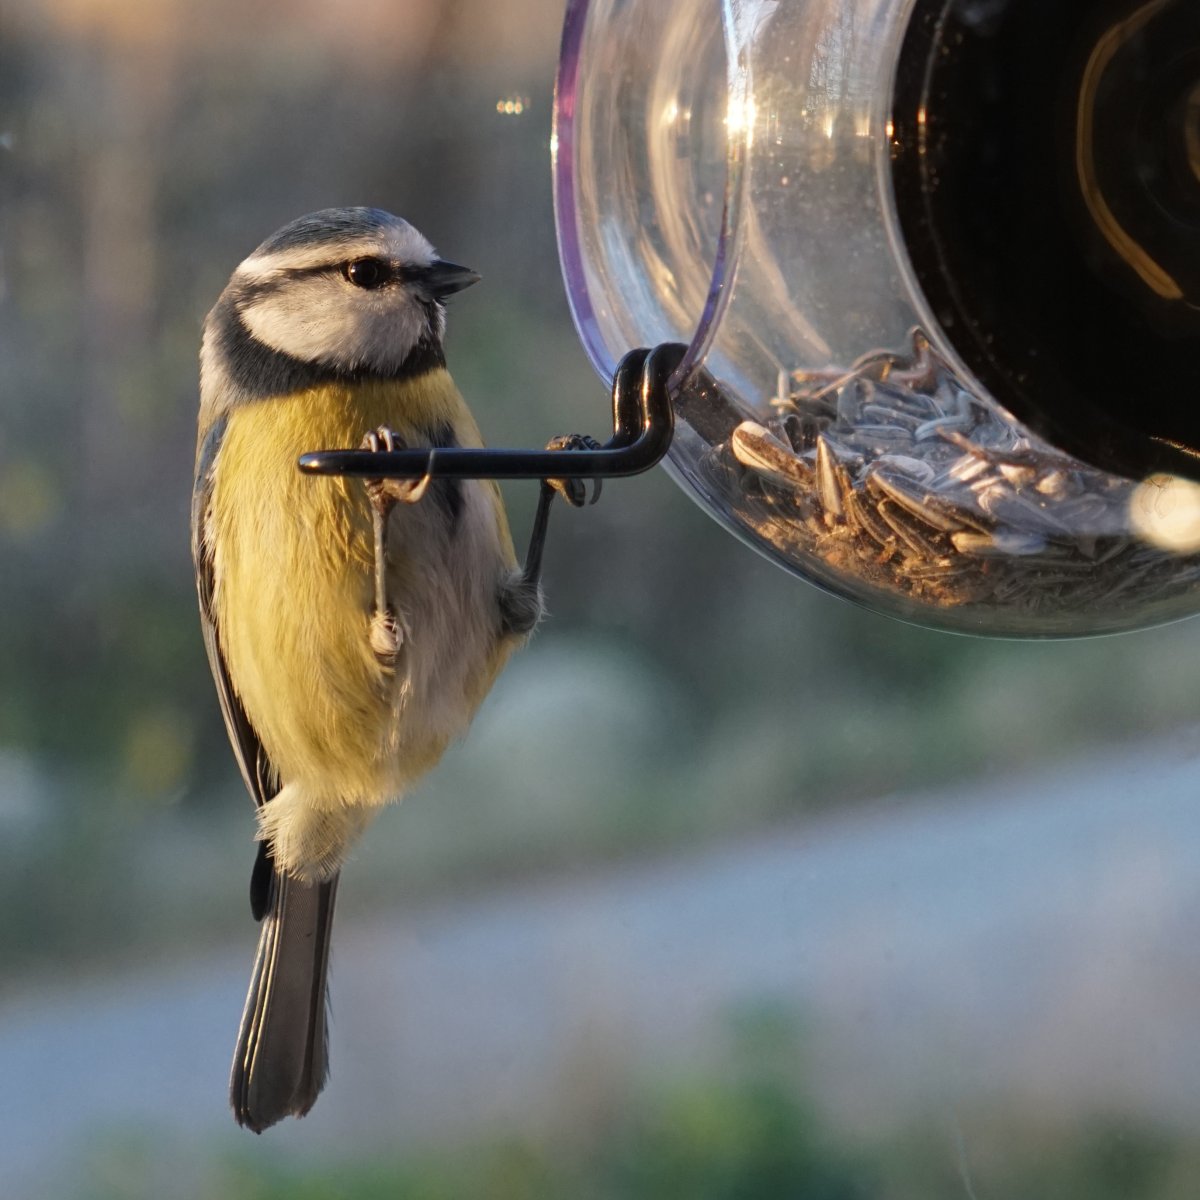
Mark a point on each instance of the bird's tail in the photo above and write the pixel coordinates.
(282, 1060)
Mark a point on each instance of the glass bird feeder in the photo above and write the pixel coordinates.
(937, 266)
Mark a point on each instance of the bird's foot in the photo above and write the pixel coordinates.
(383, 493)
(574, 491)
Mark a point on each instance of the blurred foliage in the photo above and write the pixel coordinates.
(747, 1132)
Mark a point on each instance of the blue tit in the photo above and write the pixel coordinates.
(352, 628)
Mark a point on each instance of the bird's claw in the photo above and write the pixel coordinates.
(383, 493)
(574, 491)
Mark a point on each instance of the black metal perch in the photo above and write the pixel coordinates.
(643, 425)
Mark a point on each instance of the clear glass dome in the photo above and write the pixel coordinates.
(724, 178)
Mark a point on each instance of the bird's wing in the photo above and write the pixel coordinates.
(256, 768)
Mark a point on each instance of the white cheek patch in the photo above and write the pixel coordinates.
(324, 319)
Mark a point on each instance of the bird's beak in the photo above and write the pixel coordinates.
(445, 278)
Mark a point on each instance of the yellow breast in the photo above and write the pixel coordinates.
(293, 564)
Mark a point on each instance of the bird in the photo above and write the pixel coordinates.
(352, 627)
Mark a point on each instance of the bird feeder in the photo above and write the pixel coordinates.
(936, 266)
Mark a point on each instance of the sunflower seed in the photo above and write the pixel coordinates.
(760, 451)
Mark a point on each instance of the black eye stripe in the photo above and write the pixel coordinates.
(249, 292)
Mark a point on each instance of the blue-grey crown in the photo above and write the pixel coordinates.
(328, 225)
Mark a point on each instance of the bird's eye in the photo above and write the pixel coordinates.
(367, 272)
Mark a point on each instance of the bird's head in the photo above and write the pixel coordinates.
(343, 290)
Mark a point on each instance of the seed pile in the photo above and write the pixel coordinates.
(893, 473)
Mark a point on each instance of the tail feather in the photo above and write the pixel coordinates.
(282, 1060)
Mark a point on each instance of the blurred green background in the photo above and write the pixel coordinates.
(683, 695)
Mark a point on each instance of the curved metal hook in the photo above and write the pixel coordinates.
(643, 425)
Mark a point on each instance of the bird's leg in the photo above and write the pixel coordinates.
(385, 631)
(573, 491)
(521, 596)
